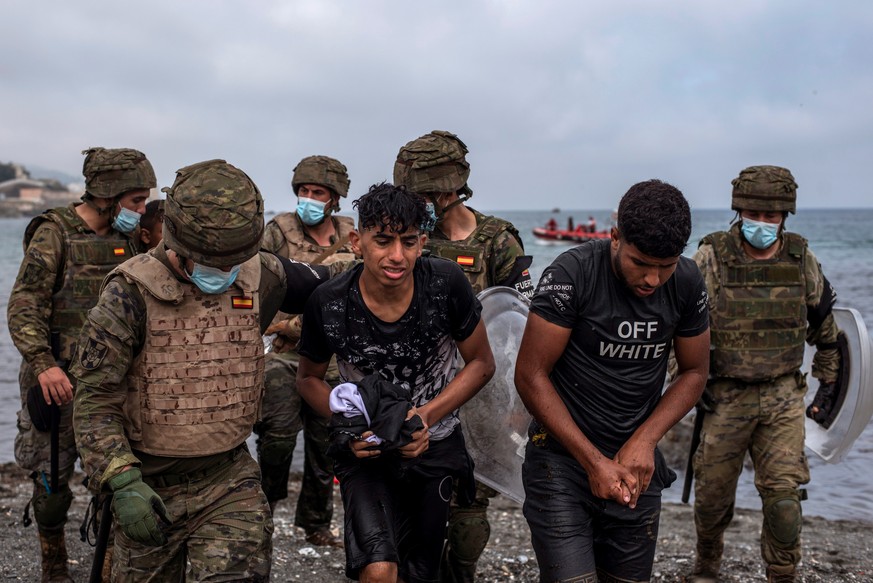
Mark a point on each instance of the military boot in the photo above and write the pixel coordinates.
(781, 574)
(54, 556)
(707, 561)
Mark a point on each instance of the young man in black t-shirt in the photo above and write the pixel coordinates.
(405, 318)
(591, 370)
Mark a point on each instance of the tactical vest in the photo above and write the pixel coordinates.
(297, 246)
(195, 388)
(87, 259)
(758, 325)
(475, 254)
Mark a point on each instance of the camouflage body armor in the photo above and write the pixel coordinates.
(298, 248)
(196, 387)
(758, 324)
(88, 259)
(475, 254)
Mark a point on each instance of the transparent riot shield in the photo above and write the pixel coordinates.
(495, 420)
(855, 402)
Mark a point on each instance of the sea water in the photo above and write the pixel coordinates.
(841, 239)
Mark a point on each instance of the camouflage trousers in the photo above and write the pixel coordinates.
(33, 447)
(283, 415)
(767, 421)
(221, 526)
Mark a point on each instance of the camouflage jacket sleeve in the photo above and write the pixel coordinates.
(510, 265)
(273, 239)
(705, 260)
(30, 303)
(822, 332)
(107, 345)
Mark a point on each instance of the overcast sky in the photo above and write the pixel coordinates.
(560, 103)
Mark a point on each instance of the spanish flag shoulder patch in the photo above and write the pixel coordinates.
(119, 251)
(465, 260)
(242, 302)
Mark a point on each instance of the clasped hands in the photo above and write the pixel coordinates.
(625, 477)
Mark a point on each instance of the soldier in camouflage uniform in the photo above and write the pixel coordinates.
(490, 252)
(169, 369)
(315, 235)
(767, 295)
(67, 252)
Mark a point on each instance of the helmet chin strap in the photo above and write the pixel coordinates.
(441, 210)
(89, 200)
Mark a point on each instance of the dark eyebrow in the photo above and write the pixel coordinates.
(639, 261)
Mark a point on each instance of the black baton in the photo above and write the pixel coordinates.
(695, 443)
(102, 540)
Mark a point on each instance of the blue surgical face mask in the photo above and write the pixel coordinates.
(760, 235)
(310, 211)
(126, 220)
(432, 221)
(212, 280)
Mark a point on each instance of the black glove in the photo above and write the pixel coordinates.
(822, 405)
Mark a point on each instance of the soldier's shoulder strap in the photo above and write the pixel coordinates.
(147, 272)
(271, 262)
(795, 245)
(723, 244)
(64, 217)
(249, 278)
(489, 227)
(289, 226)
(344, 226)
(713, 238)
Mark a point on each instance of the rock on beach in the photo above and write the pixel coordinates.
(833, 551)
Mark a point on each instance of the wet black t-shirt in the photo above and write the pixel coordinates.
(612, 371)
(418, 351)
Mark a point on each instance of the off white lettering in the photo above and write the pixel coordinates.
(637, 330)
(632, 351)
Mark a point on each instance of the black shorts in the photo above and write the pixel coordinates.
(396, 511)
(577, 535)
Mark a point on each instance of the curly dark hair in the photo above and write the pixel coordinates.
(654, 216)
(154, 214)
(386, 206)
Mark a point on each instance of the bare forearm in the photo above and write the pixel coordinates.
(316, 392)
(679, 398)
(546, 406)
(461, 389)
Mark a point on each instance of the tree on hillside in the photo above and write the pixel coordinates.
(12, 171)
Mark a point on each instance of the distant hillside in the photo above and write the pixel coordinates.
(40, 173)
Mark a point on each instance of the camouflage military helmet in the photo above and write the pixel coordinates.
(435, 162)
(214, 214)
(110, 172)
(321, 170)
(764, 188)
